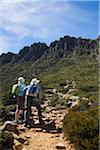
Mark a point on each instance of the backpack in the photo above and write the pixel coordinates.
(33, 89)
(15, 89)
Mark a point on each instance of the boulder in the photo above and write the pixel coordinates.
(18, 145)
(60, 95)
(71, 90)
(28, 136)
(66, 96)
(26, 143)
(60, 146)
(22, 139)
(74, 98)
(10, 126)
(75, 103)
(51, 91)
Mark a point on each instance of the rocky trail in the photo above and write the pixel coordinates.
(50, 137)
(47, 137)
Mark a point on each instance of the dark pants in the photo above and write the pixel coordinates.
(31, 101)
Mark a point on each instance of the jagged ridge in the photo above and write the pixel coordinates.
(57, 49)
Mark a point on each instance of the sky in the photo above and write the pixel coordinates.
(24, 22)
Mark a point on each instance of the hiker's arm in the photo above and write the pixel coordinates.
(14, 88)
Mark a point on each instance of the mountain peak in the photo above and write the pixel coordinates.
(57, 49)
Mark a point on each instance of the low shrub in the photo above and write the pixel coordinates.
(82, 129)
(6, 140)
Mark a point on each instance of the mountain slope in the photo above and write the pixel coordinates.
(70, 57)
(67, 60)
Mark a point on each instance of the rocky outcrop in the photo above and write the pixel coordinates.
(67, 45)
(6, 58)
(31, 53)
(57, 49)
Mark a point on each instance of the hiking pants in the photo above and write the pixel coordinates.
(31, 101)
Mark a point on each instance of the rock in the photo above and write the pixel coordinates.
(15, 136)
(54, 91)
(75, 103)
(66, 96)
(22, 139)
(47, 110)
(10, 126)
(50, 95)
(22, 128)
(74, 98)
(28, 136)
(54, 112)
(85, 98)
(36, 121)
(18, 145)
(52, 124)
(35, 117)
(26, 143)
(66, 87)
(69, 104)
(60, 95)
(90, 103)
(60, 146)
(32, 129)
(19, 138)
(51, 91)
(71, 90)
(38, 129)
(53, 131)
(44, 131)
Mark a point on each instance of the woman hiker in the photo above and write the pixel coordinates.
(18, 90)
(32, 99)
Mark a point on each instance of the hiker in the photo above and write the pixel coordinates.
(18, 92)
(32, 99)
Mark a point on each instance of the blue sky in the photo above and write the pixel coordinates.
(23, 22)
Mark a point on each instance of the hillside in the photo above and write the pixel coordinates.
(39, 58)
(68, 66)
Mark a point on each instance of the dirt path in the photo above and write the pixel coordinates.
(44, 139)
(39, 140)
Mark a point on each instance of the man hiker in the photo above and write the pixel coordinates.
(18, 91)
(31, 99)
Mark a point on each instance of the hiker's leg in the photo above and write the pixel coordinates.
(27, 111)
(25, 108)
(20, 107)
(17, 114)
(38, 106)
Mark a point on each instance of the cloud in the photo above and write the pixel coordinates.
(25, 18)
(4, 44)
(37, 19)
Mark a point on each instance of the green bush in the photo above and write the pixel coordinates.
(8, 104)
(82, 129)
(6, 140)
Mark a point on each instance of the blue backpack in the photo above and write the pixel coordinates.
(32, 89)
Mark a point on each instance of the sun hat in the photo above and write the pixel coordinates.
(34, 81)
(21, 80)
